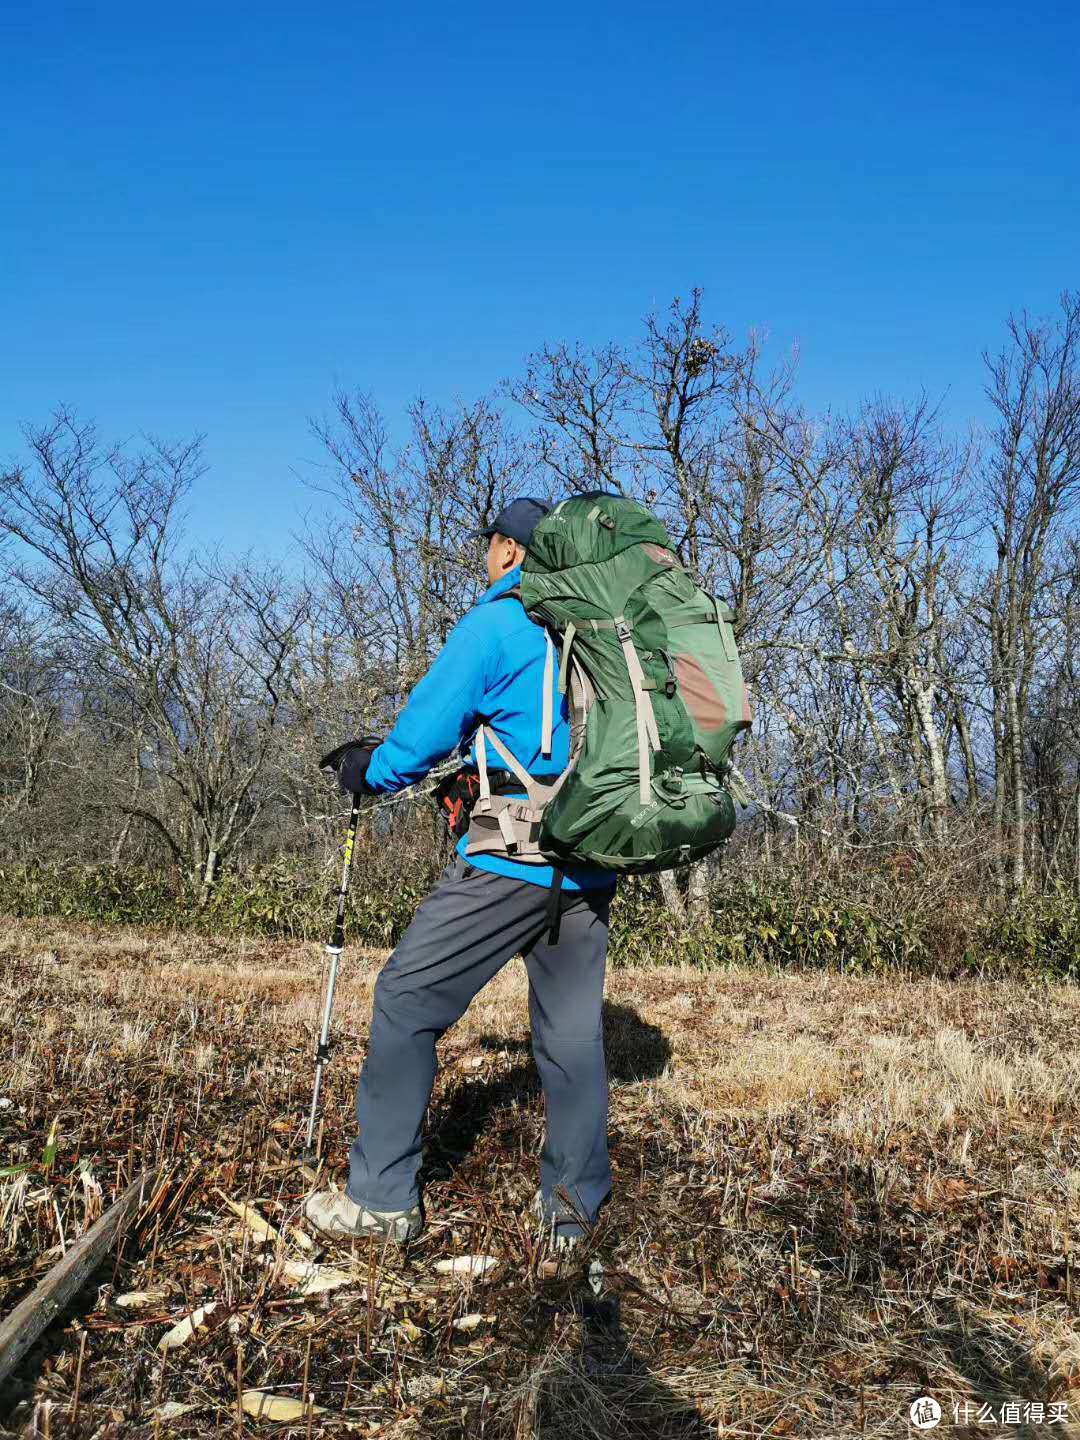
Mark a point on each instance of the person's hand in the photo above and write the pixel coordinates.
(350, 761)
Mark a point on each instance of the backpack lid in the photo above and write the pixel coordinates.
(588, 528)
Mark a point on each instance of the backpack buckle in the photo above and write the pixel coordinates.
(622, 630)
(670, 785)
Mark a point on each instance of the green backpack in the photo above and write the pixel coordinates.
(655, 690)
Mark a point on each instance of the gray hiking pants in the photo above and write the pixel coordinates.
(465, 931)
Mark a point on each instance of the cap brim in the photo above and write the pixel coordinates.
(487, 533)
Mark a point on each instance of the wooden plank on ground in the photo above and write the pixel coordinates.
(30, 1317)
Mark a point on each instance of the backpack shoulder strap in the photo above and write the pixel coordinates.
(546, 703)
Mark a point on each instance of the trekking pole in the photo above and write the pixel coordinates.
(333, 953)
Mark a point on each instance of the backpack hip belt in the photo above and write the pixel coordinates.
(509, 827)
(501, 824)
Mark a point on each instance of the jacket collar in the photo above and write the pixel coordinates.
(508, 581)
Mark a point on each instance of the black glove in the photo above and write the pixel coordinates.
(351, 761)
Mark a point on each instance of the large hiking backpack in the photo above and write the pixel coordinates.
(656, 697)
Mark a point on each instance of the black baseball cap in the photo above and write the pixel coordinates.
(517, 520)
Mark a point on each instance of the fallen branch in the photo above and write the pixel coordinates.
(30, 1317)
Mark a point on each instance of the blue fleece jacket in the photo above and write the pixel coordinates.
(491, 669)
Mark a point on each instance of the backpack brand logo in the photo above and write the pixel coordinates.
(646, 814)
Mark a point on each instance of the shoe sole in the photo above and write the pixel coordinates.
(339, 1232)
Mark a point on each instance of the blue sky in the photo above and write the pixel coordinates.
(215, 214)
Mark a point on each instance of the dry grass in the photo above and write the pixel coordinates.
(832, 1195)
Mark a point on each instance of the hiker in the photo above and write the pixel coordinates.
(494, 675)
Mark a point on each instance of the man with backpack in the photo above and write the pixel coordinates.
(494, 679)
(617, 759)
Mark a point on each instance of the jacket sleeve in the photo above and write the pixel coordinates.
(443, 709)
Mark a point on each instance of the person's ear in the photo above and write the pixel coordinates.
(507, 553)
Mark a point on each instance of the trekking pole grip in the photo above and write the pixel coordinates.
(337, 942)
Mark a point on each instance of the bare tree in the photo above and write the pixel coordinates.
(402, 569)
(197, 660)
(32, 719)
(1031, 490)
(909, 684)
(1053, 725)
(899, 598)
(580, 400)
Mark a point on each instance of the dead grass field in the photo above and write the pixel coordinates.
(832, 1195)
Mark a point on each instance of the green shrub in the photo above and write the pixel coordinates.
(644, 931)
(777, 925)
(774, 920)
(766, 922)
(285, 898)
(1038, 934)
(116, 895)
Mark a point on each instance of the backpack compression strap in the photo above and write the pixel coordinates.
(644, 715)
(647, 733)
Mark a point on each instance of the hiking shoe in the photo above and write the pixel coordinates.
(332, 1212)
(564, 1228)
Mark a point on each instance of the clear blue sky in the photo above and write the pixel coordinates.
(215, 214)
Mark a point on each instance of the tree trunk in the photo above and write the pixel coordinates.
(999, 783)
(1016, 777)
(697, 892)
(209, 876)
(936, 780)
(669, 889)
(968, 751)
